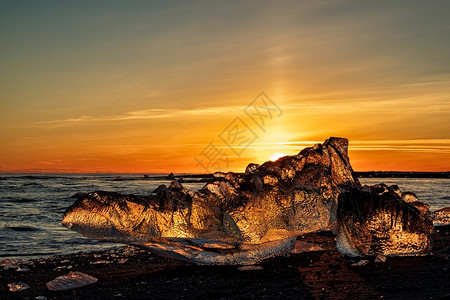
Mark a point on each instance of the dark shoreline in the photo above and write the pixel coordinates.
(198, 178)
(132, 273)
(201, 177)
(398, 174)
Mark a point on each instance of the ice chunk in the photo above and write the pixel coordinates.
(18, 286)
(380, 258)
(360, 263)
(101, 262)
(250, 268)
(70, 281)
(9, 264)
(301, 247)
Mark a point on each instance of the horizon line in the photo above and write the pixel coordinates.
(192, 173)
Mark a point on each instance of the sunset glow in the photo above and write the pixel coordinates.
(276, 156)
(147, 87)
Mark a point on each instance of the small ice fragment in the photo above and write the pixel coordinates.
(70, 281)
(122, 260)
(101, 262)
(301, 247)
(250, 268)
(360, 263)
(18, 286)
(22, 269)
(40, 298)
(64, 261)
(380, 258)
(62, 267)
(9, 264)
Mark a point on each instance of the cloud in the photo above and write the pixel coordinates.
(153, 113)
(417, 145)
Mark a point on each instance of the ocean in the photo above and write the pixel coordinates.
(32, 206)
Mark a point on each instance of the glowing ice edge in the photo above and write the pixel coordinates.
(252, 254)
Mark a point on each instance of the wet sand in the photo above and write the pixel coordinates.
(133, 273)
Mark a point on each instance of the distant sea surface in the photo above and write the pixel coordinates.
(32, 206)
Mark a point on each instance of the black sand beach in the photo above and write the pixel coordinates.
(132, 273)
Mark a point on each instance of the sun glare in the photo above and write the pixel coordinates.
(277, 155)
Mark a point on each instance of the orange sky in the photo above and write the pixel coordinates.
(145, 87)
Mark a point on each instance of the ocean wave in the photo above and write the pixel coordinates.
(32, 184)
(23, 200)
(23, 228)
(39, 177)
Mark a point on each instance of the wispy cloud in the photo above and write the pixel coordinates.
(153, 113)
(370, 101)
(417, 145)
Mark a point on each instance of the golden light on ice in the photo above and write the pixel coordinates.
(277, 155)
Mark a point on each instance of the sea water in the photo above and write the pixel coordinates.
(32, 207)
